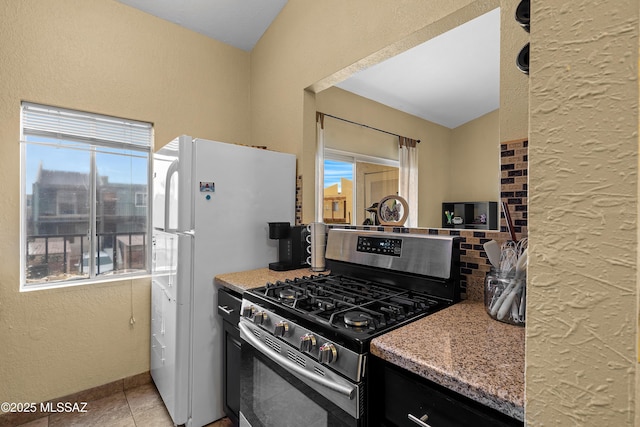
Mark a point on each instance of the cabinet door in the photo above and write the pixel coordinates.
(229, 309)
(403, 399)
(232, 371)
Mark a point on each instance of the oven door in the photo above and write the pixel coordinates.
(280, 387)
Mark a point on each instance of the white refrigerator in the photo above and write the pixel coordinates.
(212, 202)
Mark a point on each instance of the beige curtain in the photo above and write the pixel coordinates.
(320, 167)
(409, 177)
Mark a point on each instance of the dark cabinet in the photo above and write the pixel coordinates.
(401, 398)
(471, 215)
(229, 308)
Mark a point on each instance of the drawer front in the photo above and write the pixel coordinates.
(409, 400)
(229, 306)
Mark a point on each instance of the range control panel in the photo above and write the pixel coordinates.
(379, 245)
(416, 253)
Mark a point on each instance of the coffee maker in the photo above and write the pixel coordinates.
(292, 246)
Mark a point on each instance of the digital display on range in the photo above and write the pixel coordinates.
(379, 245)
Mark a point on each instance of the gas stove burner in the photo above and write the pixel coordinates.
(322, 303)
(357, 319)
(288, 294)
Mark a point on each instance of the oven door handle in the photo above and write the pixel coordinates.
(283, 361)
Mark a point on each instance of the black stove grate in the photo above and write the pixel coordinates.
(353, 305)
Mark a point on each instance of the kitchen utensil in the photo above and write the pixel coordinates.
(508, 256)
(493, 252)
(495, 307)
(503, 307)
(521, 245)
(514, 309)
(507, 217)
(523, 302)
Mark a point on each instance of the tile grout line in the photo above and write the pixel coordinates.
(129, 406)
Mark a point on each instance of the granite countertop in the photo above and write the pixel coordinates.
(465, 350)
(459, 347)
(245, 280)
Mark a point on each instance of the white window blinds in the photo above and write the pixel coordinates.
(69, 124)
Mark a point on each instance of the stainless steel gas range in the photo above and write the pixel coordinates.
(306, 341)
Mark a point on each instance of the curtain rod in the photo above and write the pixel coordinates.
(366, 126)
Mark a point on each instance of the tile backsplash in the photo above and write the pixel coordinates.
(514, 160)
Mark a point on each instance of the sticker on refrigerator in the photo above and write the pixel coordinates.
(207, 186)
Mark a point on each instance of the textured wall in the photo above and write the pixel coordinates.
(103, 57)
(582, 287)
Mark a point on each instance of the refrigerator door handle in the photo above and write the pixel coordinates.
(173, 168)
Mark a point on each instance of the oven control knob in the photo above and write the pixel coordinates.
(259, 317)
(307, 342)
(248, 311)
(328, 353)
(282, 328)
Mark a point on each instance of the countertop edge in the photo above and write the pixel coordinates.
(432, 373)
(251, 279)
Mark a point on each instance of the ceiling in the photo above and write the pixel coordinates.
(239, 23)
(450, 79)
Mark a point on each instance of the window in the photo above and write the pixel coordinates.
(85, 185)
(141, 199)
(353, 183)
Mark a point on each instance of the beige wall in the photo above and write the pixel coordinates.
(474, 165)
(341, 135)
(103, 57)
(581, 356)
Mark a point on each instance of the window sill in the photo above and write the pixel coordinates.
(106, 280)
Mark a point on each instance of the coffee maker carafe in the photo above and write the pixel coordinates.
(292, 246)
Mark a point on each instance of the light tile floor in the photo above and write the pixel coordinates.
(141, 406)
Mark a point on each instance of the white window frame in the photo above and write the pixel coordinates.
(144, 197)
(92, 131)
